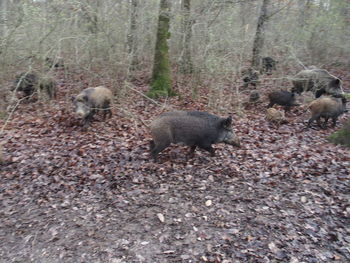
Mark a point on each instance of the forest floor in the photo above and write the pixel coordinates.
(69, 195)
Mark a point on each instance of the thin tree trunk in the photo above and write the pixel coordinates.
(186, 65)
(244, 10)
(260, 35)
(3, 18)
(132, 36)
(161, 84)
(304, 12)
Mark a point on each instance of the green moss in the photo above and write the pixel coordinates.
(161, 84)
(342, 136)
(347, 96)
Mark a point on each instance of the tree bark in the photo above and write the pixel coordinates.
(161, 84)
(3, 18)
(186, 65)
(304, 12)
(132, 36)
(260, 35)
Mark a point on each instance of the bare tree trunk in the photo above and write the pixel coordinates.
(3, 18)
(132, 36)
(161, 84)
(186, 65)
(304, 12)
(244, 9)
(90, 15)
(260, 35)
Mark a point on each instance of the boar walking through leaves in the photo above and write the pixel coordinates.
(283, 98)
(250, 77)
(90, 101)
(56, 62)
(275, 116)
(327, 107)
(268, 65)
(191, 128)
(31, 82)
(319, 81)
(254, 97)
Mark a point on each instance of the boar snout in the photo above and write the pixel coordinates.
(234, 141)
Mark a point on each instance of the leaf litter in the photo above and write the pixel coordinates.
(69, 195)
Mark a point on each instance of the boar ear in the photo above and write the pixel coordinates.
(319, 93)
(226, 122)
(335, 83)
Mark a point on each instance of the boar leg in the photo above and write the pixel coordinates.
(310, 121)
(325, 122)
(192, 149)
(107, 110)
(88, 118)
(318, 120)
(314, 117)
(334, 121)
(157, 148)
(208, 148)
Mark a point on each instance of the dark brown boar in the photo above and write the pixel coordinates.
(90, 101)
(327, 107)
(56, 62)
(31, 82)
(268, 65)
(192, 128)
(319, 81)
(26, 82)
(47, 86)
(250, 77)
(283, 98)
(254, 97)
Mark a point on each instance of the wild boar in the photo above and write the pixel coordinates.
(268, 64)
(26, 82)
(319, 81)
(327, 107)
(47, 86)
(283, 98)
(31, 82)
(250, 77)
(254, 97)
(91, 100)
(192, 128)
(56, 62)
(275, 116)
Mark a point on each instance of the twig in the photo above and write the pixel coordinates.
(10, 114)
(127, 84)
(134, 117)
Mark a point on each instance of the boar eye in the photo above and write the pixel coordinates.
(226, 123)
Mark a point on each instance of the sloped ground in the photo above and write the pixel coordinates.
(69, 195)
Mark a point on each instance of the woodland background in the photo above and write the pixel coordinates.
(105, 39)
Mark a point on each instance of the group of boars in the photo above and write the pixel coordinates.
(202, 129)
